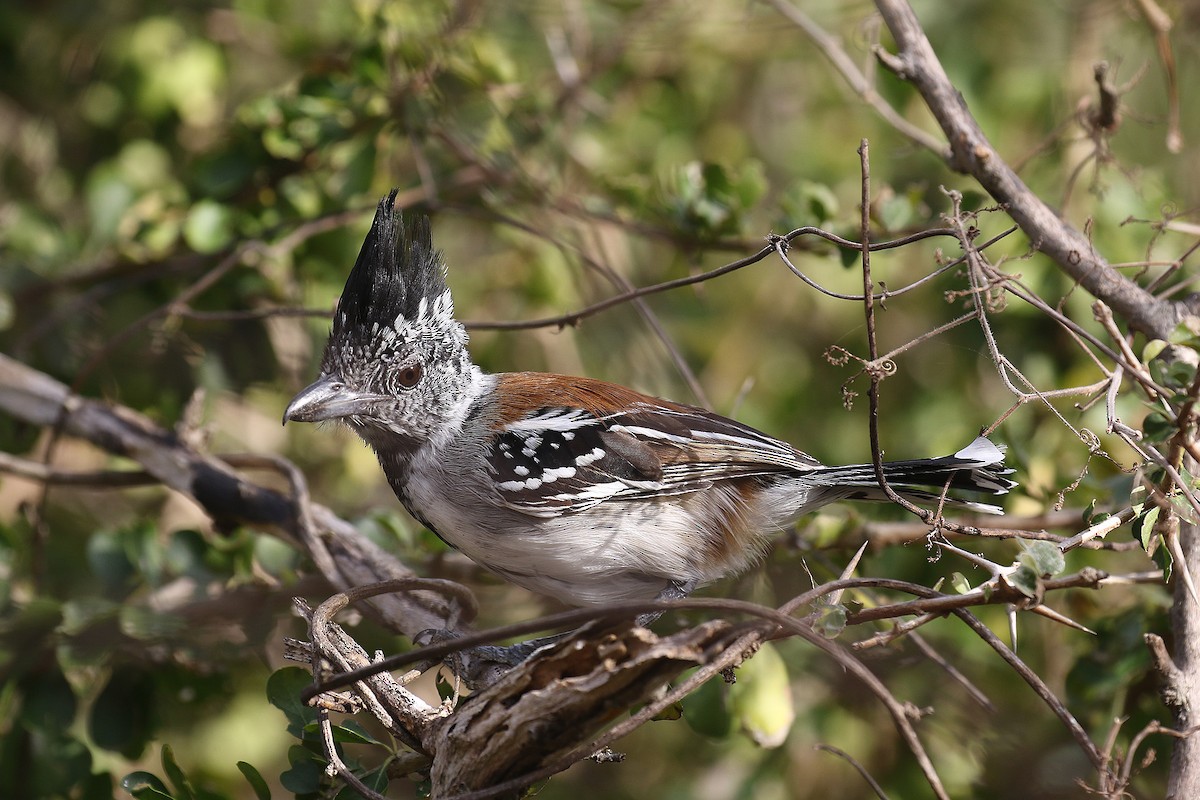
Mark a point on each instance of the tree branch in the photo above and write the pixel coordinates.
(971, 153)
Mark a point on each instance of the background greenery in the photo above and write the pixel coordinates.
(568, 149)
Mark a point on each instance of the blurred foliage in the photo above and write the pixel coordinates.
(569, 150)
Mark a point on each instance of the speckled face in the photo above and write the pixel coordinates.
(395, 341)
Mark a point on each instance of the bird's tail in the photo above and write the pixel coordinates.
(977, 468)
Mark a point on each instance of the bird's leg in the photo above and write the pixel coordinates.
(482, 665)
(675, 590)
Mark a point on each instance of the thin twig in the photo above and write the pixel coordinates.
(862, 771)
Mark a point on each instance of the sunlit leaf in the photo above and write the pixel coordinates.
(761, 699)
(959, 583)
(209, 227)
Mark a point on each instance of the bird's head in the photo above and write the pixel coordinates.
(396, 367)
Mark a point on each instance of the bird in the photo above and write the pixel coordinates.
(575, 488)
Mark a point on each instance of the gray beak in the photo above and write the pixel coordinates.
(327, 398)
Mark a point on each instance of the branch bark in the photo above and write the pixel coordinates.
(1181, 673)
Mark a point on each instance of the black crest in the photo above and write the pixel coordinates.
(396, 267)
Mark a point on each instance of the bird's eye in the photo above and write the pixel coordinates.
(410, 376)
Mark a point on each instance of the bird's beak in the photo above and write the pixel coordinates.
(327, 398)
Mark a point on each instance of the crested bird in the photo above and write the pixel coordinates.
(576, 488)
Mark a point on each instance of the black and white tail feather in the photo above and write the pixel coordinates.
(978, 467)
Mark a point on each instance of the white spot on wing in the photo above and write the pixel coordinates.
(594, 455)
(551, 475)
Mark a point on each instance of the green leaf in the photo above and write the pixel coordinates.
(1153, 348)
(1186, 333)
(121, 717)
(706, 712)
(1175, 373)
(307, 771)
(896, 212)
(669, 714)
(1143, 528)
(187, 553)
(1043, 558)
(209, 227)
(145, 786)
(49, 703)
(811, 203)
(110, 562)
(261, 790)
(959, 583)
(973, 200)
(109, 196)
(53, 763)
(705, 200)
(175, 774)
(144, 549)
(750, 185)
(1137, 498)
(375, 779)
(283, 691)
(95, 786)
(1180, 372)
(350, 732)
(761, 700)
(1025, 581)
(1182, 508)
(275, 556)
(850, 256)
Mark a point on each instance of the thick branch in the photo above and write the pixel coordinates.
(1179, 674)
(973, 154)
(549, 705)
